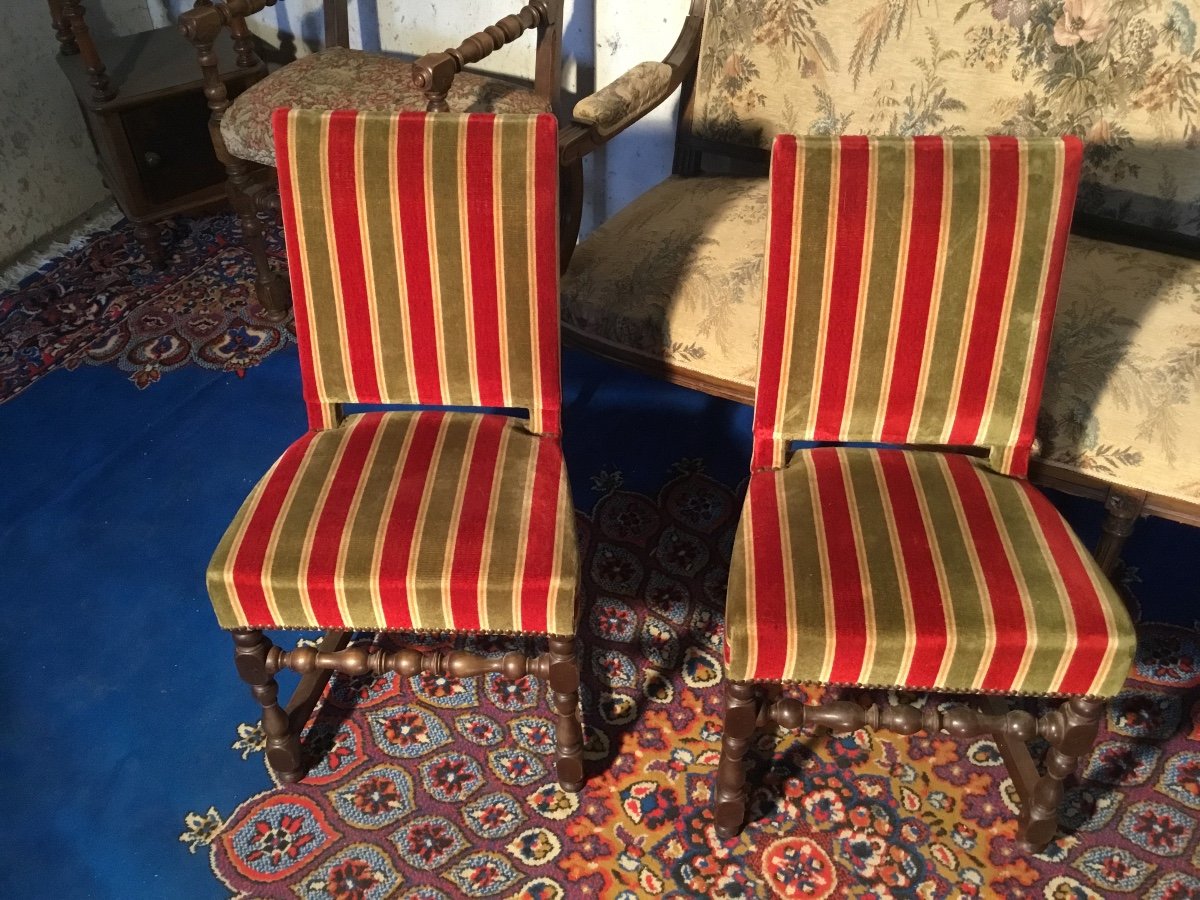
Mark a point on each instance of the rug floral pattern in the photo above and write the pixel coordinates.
(105, 303)
(431, 788)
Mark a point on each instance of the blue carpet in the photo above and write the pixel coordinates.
(119, 698)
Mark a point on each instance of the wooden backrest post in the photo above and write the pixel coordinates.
(71, 14)
(62, 29)
(337, 23)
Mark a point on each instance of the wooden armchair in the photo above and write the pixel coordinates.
(671, 284)
(339, 77)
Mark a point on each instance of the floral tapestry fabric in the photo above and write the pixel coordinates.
(1122, 396)
(1125, 76)
(641, 88)
(338, 78)
(676, 277)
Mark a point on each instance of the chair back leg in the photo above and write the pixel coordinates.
(1071, 731)
(564, 701)
(250, 652)
(741, 721)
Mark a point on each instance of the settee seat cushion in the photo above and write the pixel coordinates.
(338, 78)
(674, 281)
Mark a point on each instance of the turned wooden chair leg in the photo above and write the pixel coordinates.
(283, 741)
(149, 236)
(272, 291)
(564, 701)
(741, 720)
(1123, 509)
(1071, 731)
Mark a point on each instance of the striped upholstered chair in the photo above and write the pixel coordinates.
(423, 258)
(910, 286)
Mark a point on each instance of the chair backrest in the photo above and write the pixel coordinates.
(1123, 76)
(909, 291)
(423, 252)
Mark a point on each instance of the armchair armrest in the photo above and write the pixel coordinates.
(620, 104)
(614, 108)
(433, 73)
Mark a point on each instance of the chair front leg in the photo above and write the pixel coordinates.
(564, 701)
(741, 721)
(283, 742)
(1071, 730)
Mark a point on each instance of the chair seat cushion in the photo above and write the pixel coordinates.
(917, 570)
(675, 279)
(410, 521)
(339, 78)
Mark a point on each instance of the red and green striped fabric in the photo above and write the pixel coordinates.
(421, 521)
(423, 253)
(910, 291)
(920, 570)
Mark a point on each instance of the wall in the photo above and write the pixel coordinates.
(48, 170)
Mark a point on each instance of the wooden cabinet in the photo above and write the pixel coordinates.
(143, 104)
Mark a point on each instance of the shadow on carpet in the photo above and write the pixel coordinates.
(104, 303)
(429, 788)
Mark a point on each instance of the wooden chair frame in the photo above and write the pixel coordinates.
(1123, 506)
(258, 661)
(1070, 730)
(253, 188)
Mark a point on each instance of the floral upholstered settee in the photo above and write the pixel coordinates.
(673, 281)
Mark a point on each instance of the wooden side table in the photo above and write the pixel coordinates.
(142, 98)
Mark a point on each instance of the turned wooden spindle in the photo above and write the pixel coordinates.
(73, 13)
(251, 652)
(364, 660)
(1122, 510)
(243, 43)
(741, 720)
(62, 29)
(434, 73)
(844, 716)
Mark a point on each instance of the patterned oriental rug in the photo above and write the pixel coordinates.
(104, 303)
(437, 788)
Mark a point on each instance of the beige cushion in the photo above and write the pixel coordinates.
(1124, 76)
(338, 78)
(675, 278)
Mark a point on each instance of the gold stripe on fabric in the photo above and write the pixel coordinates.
(787, 538)
(779, 425)
(389, 289)
(815, 375)
(888, 300)
(937, 544)
(497, 214)
(970, 292)
(532, 186)
(231, 543)
(364, 188)
(955, 554)
(453, 298)
(987, 618)
(446, 507)
(465, 226)
(955, 206)
(522, 541)
(828, 604)
(295, 513)
(1041, 222)
(363, 503)
(314, 249)
(336, 297)
(515, 215)
(744, 647)
(404, 429)
(1043, 577)
(1004, 335)
(884, 665)
(421, 530)
(1015, 556)
(316, 514)
(867, 265)
(856, 505)
(432, 221)
(495, 500)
